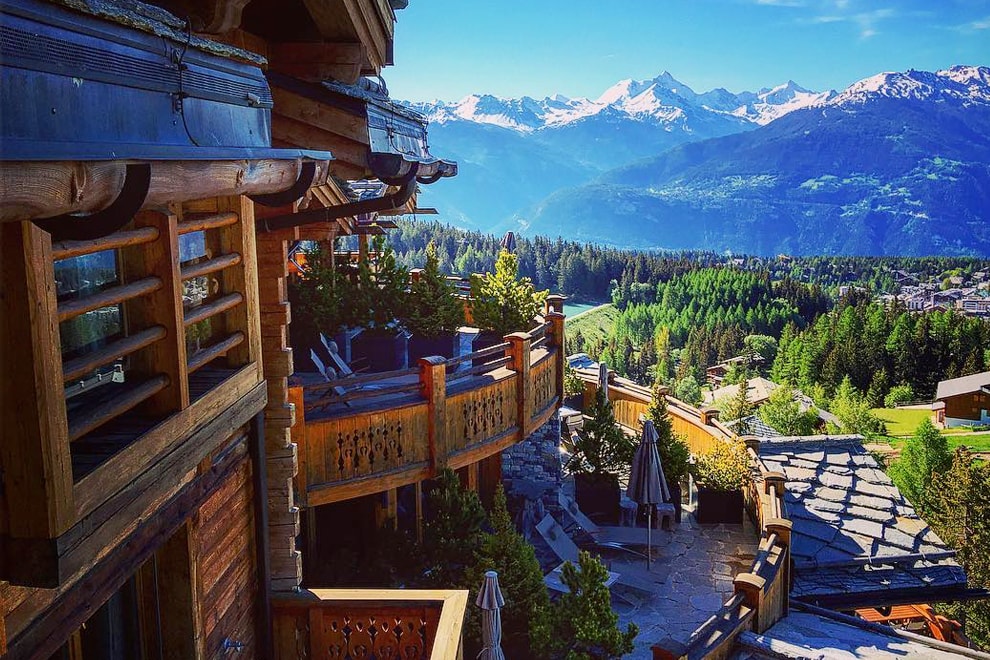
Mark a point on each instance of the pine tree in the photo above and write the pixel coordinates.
(581, 624)
(503, 302)
(433, 306)
(453, 531)
(601, 447)
(925, 455)
(520, 579)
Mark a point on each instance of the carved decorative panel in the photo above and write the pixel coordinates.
(479, 415)
(544, 383)
(353, 635)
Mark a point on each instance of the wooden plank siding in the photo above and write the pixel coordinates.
(226, 564)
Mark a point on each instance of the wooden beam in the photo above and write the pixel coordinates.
(37, 467)
(240, 238)
(316, 62)
(322, 116)
(44, 189)
(161, 307)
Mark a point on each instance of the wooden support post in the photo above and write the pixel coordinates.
(752, 442)
(363, 248)
(751, 586)
(472, 477)
(37, 468)
(433, 381)
(243, 278)
(519, 345)
(555, 303)
(419, 511)
(161, 307)
(556, 320)
(777, 479)
(783, 527)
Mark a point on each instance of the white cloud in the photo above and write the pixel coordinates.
(983, 24)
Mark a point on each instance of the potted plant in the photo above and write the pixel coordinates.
(433, 312)
(502, 303)
(382, 292)
(721, 473)
(601, 449)
(674, 454)
(573, 388)
(325, 300)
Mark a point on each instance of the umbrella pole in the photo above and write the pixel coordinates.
(649, 531)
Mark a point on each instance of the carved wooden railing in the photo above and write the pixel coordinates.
(761, 595)
(699, 428)
(323, 624)
(374, 432)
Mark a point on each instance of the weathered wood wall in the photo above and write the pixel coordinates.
(226, 566)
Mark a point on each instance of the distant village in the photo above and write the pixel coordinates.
(970, 296)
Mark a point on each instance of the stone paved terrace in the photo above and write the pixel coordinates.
(699, 562)
(691, 578)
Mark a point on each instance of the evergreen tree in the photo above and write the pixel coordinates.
(673, 451)
(783, 413)
(601, 447)
(925, 455)
(520, 579)
(958, 510)
(453, 533)
(433, 306)
(582, 625)
(503, 302)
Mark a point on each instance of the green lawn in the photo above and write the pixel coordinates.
(901, 421)
(978, 442)
(593, 325)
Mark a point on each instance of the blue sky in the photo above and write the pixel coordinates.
(447, 49)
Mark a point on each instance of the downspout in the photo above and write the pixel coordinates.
(384, 203)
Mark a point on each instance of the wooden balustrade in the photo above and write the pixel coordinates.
(321, 624)
(373, 432)
(762, 593)
(129, 393)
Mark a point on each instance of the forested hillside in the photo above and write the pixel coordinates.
(879, 346)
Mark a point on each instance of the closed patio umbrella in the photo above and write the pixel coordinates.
(490, 601)
(647, 485)
(509, 241)
(603, 378)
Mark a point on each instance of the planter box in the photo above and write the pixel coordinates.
(598, 497)
(383, 352)
(420, 347)
(719, 506)
(485, 339)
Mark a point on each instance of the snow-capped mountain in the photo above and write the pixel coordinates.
(896, 164)
(664, 100)
(958, 84)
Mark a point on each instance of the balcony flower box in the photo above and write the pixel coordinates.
(421, 346)
(721, 473)
(381, 349)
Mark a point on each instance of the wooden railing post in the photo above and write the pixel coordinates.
(752, 587)
(415, 274)
(161, 307)
(433, 381)
(556, 341)
(37, 468)
(783, 527)
(555, 303)
(777, 479)
(519, 348)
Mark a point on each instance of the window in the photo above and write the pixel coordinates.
(76, 278)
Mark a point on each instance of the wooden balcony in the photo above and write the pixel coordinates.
(371, 433)
(121, 387)
(388, 623)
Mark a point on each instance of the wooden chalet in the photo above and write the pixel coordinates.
(157, 163)
(963, 401)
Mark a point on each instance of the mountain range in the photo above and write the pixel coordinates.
(898, 163)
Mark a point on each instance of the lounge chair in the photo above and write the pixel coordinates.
(567, 551)
(607, 535)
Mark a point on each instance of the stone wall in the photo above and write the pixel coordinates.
(531, 469)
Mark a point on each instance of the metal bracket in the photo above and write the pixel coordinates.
(137, 182)
(306, 175)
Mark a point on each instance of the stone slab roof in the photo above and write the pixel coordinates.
(854, 533)
(807, 635)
